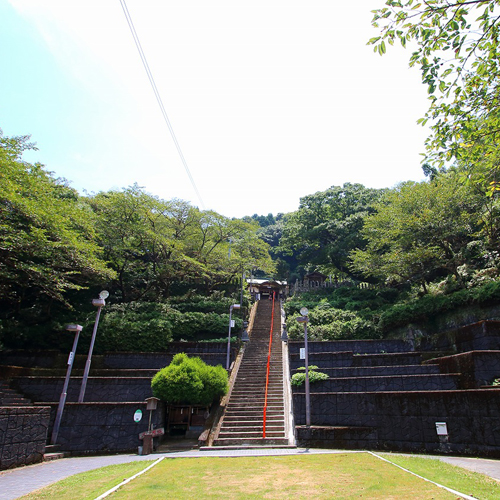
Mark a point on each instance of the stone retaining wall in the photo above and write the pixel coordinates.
(99, 389)
(98, 428)
(23, 435)
(406, 421)
(391, 383)
(477, 368)
(355, 346)
(158, 360)
(348, 359)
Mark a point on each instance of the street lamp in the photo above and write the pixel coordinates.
(62, 400)
(99, 303)
(234, 306)
(304, 319)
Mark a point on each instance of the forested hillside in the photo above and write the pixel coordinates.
(58, 249)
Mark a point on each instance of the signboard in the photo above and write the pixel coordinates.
(71, 358)
(441, 429)
(233, 323)
(138, 416)
(155, 432)
(302, 353)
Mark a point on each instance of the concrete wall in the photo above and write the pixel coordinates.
(23, 435)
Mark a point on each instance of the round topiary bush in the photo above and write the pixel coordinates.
(190, 381)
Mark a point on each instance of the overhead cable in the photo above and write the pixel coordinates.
(158, 97)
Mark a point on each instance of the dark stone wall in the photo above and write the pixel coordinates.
(158, 360)
(405, 421)
(98, 428)
(23, 435)
(483, 335)
(355, 346)
(380, 371)
(390, 383)
(99, 389)
(348, 359)
(211, 353)
(477, 368)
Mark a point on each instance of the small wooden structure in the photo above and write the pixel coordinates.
(186, 416)
(262, 288)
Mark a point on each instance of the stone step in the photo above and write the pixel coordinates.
(252, 428)
(250, 434)
(248, 441)
(234, 419)
(250, 447)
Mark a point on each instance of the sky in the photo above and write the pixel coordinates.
(270, 100)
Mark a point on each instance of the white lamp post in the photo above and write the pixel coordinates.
(62, 400)
(304, 319)
(99, 303)
(234, 306)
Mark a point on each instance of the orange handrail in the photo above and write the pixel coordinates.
(267, 372)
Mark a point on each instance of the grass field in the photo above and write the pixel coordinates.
(339, 476)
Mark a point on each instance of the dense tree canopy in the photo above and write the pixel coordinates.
(457, 49)
(423, 231)
(327, 226)
(47, 244)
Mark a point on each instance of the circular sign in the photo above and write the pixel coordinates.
(138, 416)
(304, 311)
(104, 294)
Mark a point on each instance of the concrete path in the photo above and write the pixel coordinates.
(18, 482)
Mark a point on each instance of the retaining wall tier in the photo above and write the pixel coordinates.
(355, 346)
(23, 435)
(483, 335)
(406, 421)
(158, 360)
(379, 371)
(390, 383)
(348, 359)
(477, 368)
(99, 389)
(99, 428)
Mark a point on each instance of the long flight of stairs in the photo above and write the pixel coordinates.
(242, 422)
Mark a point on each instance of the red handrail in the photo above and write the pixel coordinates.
(267, 372)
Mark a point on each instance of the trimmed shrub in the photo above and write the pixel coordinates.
(190, 381)
(299, 379)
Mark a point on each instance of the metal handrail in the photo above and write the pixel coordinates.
(267, 372)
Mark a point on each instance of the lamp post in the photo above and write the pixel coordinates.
(234, 306)
(304, 319)
(62, 400)
(99, 303)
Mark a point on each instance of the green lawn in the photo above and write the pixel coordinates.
(339, 476)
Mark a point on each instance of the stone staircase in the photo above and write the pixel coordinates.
(9, 397)
(242, 422)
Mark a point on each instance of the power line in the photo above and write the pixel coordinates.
(158, 97)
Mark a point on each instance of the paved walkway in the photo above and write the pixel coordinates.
(18, 482)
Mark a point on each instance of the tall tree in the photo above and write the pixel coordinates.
(327, 226)
(47, 239)
(421, 231)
